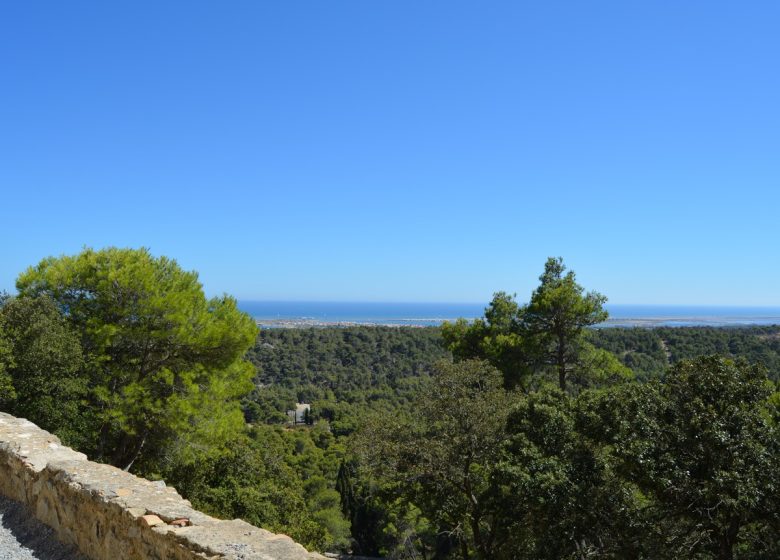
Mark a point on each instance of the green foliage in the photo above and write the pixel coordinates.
(7, 390)
(246, 479)
(561, 498)
(702, 444)
(163, 363)
(548, 332)
(596, 367)
(648, 352)
(121, 354)
(43, 369)
(276, 478)
(556, 315)
(441, 457)
(679, 468)
(342, 372)
(498, 338)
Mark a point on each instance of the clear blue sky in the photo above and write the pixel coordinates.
(400, 151)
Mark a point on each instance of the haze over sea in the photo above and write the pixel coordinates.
(271, 314)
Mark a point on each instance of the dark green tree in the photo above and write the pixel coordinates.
(361, 509)
(7, 390)
(44, 368)
(547, 333)
(164, 364)
(704, 446)
(556, 317)
(444, 457)
(561, 498)
(248, 479)
(496, 338)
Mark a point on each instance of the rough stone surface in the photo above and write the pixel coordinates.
(106, 512)
(22, 537)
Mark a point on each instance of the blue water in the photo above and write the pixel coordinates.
(293, 313)
(690, 316)
(415, 314)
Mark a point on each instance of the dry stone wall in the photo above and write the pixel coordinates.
(109, 514)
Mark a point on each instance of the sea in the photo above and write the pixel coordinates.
(291, 314)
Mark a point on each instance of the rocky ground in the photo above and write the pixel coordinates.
(22, 537)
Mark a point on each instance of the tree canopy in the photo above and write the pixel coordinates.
(442, 456)
(525, 341)
(703, 444)
(44, 368)
(163, 362)
(497, 338)
(463, 441)
(555, 317)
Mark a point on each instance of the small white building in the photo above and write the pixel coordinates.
(298, 416)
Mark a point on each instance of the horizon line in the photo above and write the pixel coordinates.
(437, 302)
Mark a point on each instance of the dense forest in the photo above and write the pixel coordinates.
(649, 351)
(350, 374)
(341, 371)
(359, 365)
(525, 434)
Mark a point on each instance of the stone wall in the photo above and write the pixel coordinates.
(109, 514)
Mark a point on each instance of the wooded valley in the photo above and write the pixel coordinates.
(523, 434)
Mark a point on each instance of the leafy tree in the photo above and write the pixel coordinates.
(595, 367)
(549, 331)
(163, 362)
(7, 390)
(362, 510)
(497, 338)
(43, 368)
(555, 317)
(702, 444)
(649, 352)
(561, 498)
(442, 459)
(349, 366)
(248, 478)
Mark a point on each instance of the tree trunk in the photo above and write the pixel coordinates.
(128, 451)
(138, 450)
(103, 439)
(483, 548)
(727, 539)
(464, 548)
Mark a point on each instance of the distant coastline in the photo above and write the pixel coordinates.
(279, 314)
